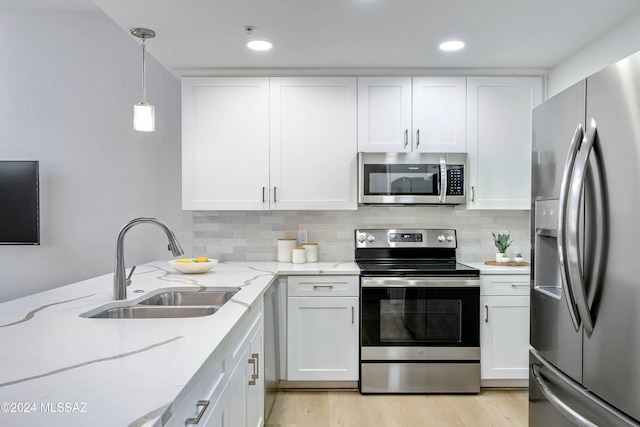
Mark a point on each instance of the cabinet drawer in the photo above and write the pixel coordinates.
(206, 386)
(323, 286)
(504, 284)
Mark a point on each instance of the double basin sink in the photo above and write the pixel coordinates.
(173, 303)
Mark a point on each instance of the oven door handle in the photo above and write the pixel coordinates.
(419, 282)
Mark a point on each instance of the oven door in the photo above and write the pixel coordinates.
(420, 318)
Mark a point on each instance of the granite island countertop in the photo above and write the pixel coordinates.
(61, 369)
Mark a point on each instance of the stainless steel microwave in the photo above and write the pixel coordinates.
(412, 178)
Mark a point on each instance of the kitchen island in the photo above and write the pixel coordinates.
(59, 368)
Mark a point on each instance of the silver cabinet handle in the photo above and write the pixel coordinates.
(473, 193)
(519, 285)
(256, 356)
(255, 362)
(406, 138)
(322, 286)
(252, 362)
(353, 315)
(562, 220)
(203, 405)
(486, 314)
(443, 181)
(574, 263)
(274, 193)
(262, 194)
(417, 138)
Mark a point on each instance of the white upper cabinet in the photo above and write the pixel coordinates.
(225, 143)
(258, 143)
(313, 143)
(384, 114)
(499, 140)
(439, 114)
(401, 114)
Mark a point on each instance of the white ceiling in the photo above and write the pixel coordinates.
(512, 34)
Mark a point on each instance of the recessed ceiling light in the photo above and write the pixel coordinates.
(451, 45)
(259, 45)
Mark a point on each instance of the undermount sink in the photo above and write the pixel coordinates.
(211, 297)
(154, 312)
(170, 303)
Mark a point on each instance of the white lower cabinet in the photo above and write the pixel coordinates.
(322, 328)
(504, 330)
(228, 391)
(246, 384)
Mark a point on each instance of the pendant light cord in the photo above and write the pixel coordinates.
(144, 72)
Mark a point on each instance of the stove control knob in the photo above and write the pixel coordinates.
(441, 238)
(362, 238)
(449, 238)
(371, 238)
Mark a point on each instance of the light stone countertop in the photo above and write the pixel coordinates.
(60, 369)
(495, 269)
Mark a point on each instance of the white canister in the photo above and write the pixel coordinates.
(298, 255)
(311, 251)
(285, 245)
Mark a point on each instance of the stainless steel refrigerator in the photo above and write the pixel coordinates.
(585, 297)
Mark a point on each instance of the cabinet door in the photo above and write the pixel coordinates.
(499, 139)
(225, 143)
(322, 339)
(504, 335)
(439, 114)
(384, 114)
(245, 391)
(255, 388)
(313, 143)
(237, 391)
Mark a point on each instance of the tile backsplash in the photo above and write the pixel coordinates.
(252, 235)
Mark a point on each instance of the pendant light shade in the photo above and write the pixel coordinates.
(144, 114)
(144, 117)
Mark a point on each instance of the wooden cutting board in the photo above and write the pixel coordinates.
(508, 264)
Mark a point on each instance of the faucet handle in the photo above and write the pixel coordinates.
(130, 274)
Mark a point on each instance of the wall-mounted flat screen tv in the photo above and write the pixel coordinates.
(19, 202)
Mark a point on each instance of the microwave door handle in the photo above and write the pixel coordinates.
(562, 218)
(443, 180)
(574, 259)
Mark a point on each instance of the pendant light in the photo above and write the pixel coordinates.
(144, 114)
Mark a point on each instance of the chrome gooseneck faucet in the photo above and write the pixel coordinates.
(120, 281)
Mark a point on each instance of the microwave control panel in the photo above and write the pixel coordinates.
(455, 180)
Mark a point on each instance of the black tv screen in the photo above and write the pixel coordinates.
(19, 203)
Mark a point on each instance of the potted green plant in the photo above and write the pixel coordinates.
(518, 257)
(502, 242)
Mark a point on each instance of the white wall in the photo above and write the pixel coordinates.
(69, 82)
(617, 44)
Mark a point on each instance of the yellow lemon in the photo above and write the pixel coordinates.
(183, 260)
(202, 259)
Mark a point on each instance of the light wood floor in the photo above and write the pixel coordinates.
(497, 408)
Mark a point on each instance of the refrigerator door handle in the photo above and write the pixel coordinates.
(565, 409)
(574, 259)
(562, 219)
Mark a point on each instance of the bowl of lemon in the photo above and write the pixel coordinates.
(193, 265)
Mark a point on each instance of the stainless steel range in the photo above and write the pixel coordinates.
(420, 313)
